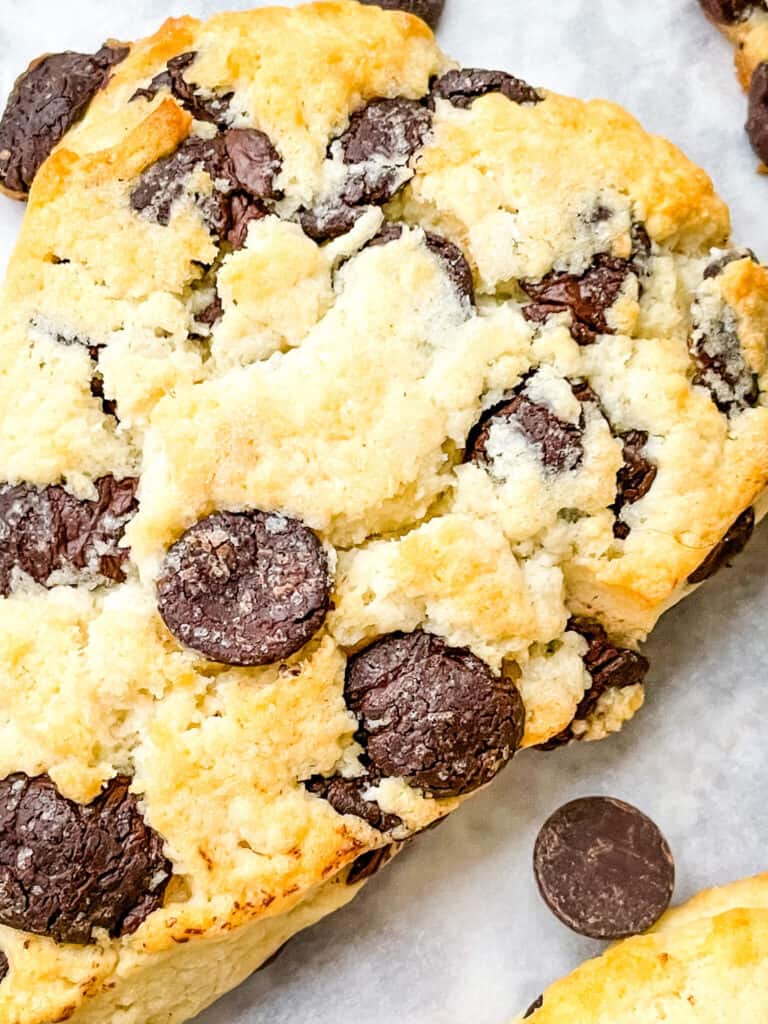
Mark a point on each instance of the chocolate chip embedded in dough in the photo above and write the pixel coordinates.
(165, 181)
(462, 88)
(346, 797)
(604, 868)
(212, 108)
(254, 161)
(587, 297)
(45, 102)
(67, 869)
(757, 121)
(728, 12)
(732, 544)
(329, 220)
(369, 864)
(245, 588)
(47, 531)
(634, 479)
(4, 967)
(427, 10)
(431, 714)
(721, 366)
(451, 257)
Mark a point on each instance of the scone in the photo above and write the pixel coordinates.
(745, 23)
(359, 416)
(705, 962)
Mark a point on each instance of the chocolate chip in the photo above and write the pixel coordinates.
(603, 868)
(610, 668)
(162, 184)
(642, 250)
(720, 365)
(212, 313)
(587, 297)
(634, 479)
(757, 121)
(4, 967)
(716, 266)
(67, 868)
(44, 104)
(346, 797)
(557, 443)
(47, 531)
(243, 211)
(245, 588)
(732, 544)
(369, 864)
(535, 1005)
(450, 255)
(377, 146)
(214, 109)
(462, 88)
(427, 10)
(255, 163)
(431, 714)
(728, 12)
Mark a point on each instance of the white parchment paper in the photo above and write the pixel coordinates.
(454, 932)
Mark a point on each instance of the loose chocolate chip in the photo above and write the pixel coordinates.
(369, 864)
(67, 868)
(427, 10)
(4, 967)
(44, 104)
(162, 184)
(377, 146)
(634, 479)
(586, 297)
(610, 668)
(728, 12)
(450, 255)
(47, 531)
(603, 868)
(346, 797)
(716, 266)
(732, 544)
(757, 122)
(535, 1005)
(462, 88)
(214, 109)
(721, 367)
(245, 588)
(432, 714)
(558, 444)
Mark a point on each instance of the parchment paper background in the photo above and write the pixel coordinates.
(454, 932)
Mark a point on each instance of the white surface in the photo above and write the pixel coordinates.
(454, 932)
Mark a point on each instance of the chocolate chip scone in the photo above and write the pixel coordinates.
(704, 962)
(359, 416)
(745, 23)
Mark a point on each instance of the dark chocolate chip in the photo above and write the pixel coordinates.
(67, 868)
(535, 1005)
(377, 146)
(728, 12)
(462, 88)
(642, 250)
(243, 211)
(427, 10)
(603, 868)
(721, 367)
(255, 163)
(732, 544)
(346, 797)
(4, 967)
(450, 255)
(44, 104)
(369, 864)
(48, 530)
(634, 479)
(609, 666)
(214, 109)
(587, 297)
(557, 443)
(432, 714)
(757, 122)
(162, 184)
(716, 266)
(108, 405)
(212, 313)
(245, 588)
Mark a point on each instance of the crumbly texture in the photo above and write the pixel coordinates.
(505, 427)
(704, 962)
